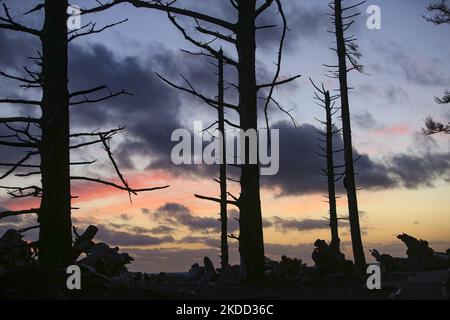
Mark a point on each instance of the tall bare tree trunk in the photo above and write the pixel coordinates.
(55, 237)
(223, 170)
(335, 241)
(251, 245)
(349, 179)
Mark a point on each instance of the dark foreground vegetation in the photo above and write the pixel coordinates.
(105, 275)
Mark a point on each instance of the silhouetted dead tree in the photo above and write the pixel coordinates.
(326, 101)
(223, 166)
(432, 127)
(347, 50)
(440, 12)
(241, 35)
(218, 104)
(441, 15)
(52, 144)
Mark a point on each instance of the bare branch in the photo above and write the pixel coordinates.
(216, 34)
(10, 24)
(114, 185)
(199, 44)
(109, 96)
(92, 30)
(277, 83)
(184, 12)
(21, 101)
(263, 7)
(211, 102)
(20, 119)
(6, 214)
(17, 165)
(278, 64)
(235, 203)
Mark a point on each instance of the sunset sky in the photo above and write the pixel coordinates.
(403, 174)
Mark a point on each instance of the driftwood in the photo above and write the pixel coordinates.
(84, 242)
(99, 256)
(390, 263)
(420, 257)
(206, 273)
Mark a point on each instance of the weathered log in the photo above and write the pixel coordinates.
(84, 242)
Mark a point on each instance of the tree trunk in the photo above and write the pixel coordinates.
(335, 241)
(223, 170)
(251, 244)
(55, 237)
(349, 178)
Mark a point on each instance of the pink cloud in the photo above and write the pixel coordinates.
(393, 130)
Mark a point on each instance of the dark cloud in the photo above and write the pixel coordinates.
(291, 224)
(207, 241)
(420, 170)
(162, 230)
(398, 60)
(179, 215)
(15, 49)
(365, 120)
(123, 238)
(150, 115)
(129, 227)
(305, 22)
(300, 165)
(386, 94)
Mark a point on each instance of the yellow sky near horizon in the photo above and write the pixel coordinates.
(423, 213)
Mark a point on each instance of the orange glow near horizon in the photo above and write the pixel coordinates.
(386, 213)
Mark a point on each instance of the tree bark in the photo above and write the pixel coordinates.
(55, 237)
(335, 241)
(349, 178)
(223, 170)
(251, 244)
